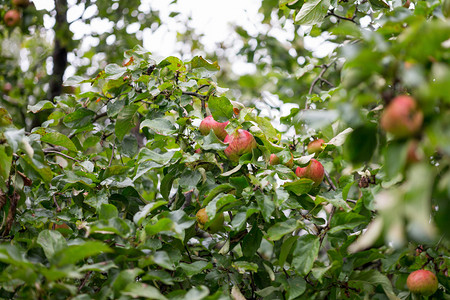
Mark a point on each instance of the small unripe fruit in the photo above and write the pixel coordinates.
(7, 87)
(402, 117)
(12, 17)
(239, 143)
(202, 217)
(315, 146)
(314, 171)
(422, 282)
(215, 226)
(275, 160)
(209, 123)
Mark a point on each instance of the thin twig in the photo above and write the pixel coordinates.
(200, 96)
(61, 154)
(352, 19)
(85, 279)
(330, 182)
(112, 155)
(58, 208)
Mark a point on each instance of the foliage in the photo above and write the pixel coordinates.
(100, 200)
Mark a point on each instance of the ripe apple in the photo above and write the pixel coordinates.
(407, 4)
(239, 143)
(315, 146)
(402, 117)
(275, 160)
(209, 123)
(422, 282)
(21, 3)
(215, 226)
(12, 17)
(314, 171)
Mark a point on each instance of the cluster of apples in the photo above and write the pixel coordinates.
(13, 16)
(239, 143)
(242, 142)
(314, 170)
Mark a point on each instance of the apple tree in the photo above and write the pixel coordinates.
(155, 183)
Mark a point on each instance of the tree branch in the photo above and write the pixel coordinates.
(61, 154)
(352, 19)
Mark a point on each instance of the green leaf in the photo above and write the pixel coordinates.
(305, 252)
(189, 179)
(5, 118)
(79, 118)
(51, 242)
(200, 62)
(195, 267)
(198, 293)
(107, 211)
(161, 258)
(159, 126)
(312, 12)
(395, 158)
(223, 188)
(361, 144)
(126, 120)
(252, 241)
(374, 278)
(166, 184)
(244, 266)
(5, 165)
(139, 216)
(278, 230)
(164, 224)
(299, 187)
(266, 205)
(160, 158)
(41, 105)
(129, 146)
(114, 71)
(286, 249)
(138, 289)
(221, 108)
(74, 253)
(379, 4)
(55, 138)
(124, 278)
(297, 286)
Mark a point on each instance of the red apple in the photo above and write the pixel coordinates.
(239, 143)
(275, 160)
(21, 3)
(422, 282)
(12, 17)
(407, 4)
(314, 171)
(209, 123)
(402, 117)
(315, 146)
